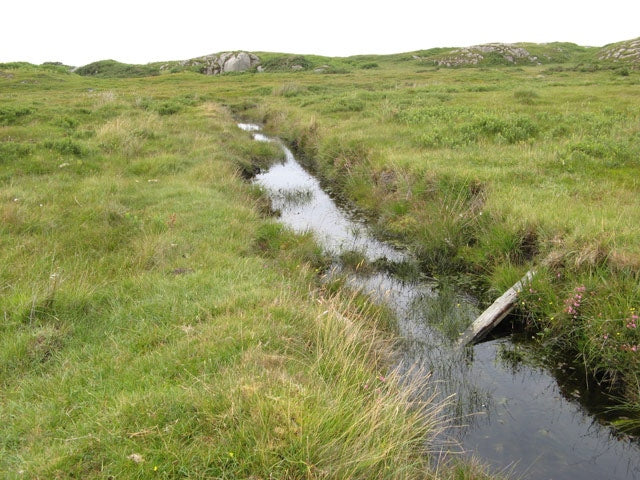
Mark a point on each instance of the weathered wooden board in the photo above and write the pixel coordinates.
(493, 315)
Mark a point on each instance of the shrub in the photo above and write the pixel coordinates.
(284, 63)
(526, 97)
(510, 130)
(68, 123)
(253, 157)
(168, 108)
(612, 152)
(345, 105)
(431, 139)
(66, 146)
(438, 113)
(14, 151)
(9, 115)
(289, 90)
(344, 156)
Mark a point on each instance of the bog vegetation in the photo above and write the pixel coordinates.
(155, 322)
(487, 173)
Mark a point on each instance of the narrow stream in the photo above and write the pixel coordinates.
(519, 416)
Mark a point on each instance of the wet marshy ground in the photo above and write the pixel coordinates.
(512, 408)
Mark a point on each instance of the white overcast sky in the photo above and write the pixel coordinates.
(77, 32)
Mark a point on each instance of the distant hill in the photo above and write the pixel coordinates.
(115, 69)
(624, 54)
(495, 54)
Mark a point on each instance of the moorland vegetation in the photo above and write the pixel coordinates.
(157, 321)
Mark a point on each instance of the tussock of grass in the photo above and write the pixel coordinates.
(126, 135)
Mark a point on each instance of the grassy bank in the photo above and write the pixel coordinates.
(488, 173)
(154, 324)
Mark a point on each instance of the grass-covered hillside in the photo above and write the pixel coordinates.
(625, 53)
(619, 56)
(114, 69)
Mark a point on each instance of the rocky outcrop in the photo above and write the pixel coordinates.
(458, 58)
(224, 62)
(623, 52)
(477, 54)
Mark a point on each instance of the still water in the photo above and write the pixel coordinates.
(520, 417)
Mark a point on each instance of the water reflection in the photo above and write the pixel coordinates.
(510, 414)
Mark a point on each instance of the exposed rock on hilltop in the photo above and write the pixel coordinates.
(623, 52)
(502, 52)
(224, 62)
(496, 54)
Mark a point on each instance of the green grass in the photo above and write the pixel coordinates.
(114, 69)
(148, 308)
(154, 324)
(481, 171)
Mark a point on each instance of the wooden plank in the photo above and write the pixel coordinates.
(493, 315)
